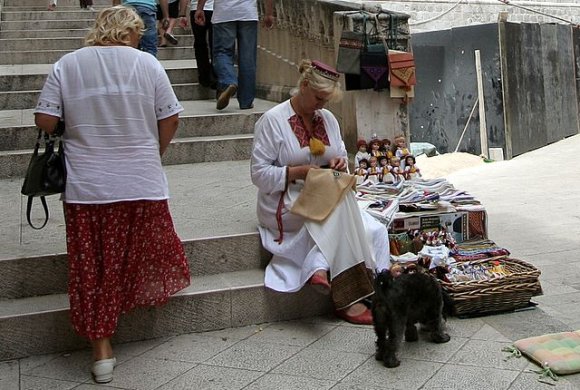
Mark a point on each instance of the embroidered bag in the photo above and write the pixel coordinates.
(401, 73)
(349, 51)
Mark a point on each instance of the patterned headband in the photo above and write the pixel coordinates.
(325, 70)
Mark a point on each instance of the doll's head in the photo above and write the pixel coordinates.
(362, 146)
(385, 144)
(375, 144)
(400, 141)
(373, 161)
(383, 161)
(395, 161)
(363, 163)
(409, 161)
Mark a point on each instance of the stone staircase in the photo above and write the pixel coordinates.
(213, 201)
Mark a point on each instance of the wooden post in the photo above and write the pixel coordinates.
(482, 122)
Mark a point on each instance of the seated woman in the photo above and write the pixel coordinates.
(289, 140)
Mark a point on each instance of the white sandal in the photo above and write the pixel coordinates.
(103, 370)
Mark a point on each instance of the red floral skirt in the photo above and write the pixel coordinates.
(121, 255)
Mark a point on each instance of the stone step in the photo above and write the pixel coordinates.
(23, 89)
(51, 33)
(62, 43)
(207, 256)
(183, 150)
(208, 200)
(41, 325)
(23, 137)
(21, 25)
(22, 100)
(26, 4)
(51, 56)
(28, 77)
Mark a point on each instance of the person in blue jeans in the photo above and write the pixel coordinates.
(147, 10)
(235, 21)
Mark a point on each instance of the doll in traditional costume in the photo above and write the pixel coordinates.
(384, 167)
(411, 170)
(400, 149)
(386, 148)
(362, 171)
(375, 148)
(362, 153)
(396, 173)
(374, 171)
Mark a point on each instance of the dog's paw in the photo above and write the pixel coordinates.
(391, 362)
(379, 355)
(440, 338)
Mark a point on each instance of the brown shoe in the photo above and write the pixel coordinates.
(224, 97)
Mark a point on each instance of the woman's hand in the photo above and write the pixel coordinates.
(338, 164)
(299, 172)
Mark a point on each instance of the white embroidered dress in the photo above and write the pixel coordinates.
(298, 256)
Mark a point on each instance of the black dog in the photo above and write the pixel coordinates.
(400, 302)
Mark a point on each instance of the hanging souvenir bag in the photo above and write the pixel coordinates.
(373, 62)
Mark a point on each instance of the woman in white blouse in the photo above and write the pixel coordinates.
(290, 139)
(120, 114)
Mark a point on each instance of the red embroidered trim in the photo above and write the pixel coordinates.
(301, 133)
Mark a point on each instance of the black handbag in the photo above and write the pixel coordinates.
(46, 174)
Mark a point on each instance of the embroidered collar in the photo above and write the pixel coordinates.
(318, 130)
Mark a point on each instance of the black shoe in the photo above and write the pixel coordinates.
(171, 38)
(247, 108)
(224, 97)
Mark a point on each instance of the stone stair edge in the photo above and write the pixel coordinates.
(44, 68)
(205, 284)
(185, 242)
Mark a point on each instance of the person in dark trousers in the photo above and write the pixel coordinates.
(202, 44)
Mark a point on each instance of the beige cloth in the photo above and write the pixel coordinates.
(323, 190)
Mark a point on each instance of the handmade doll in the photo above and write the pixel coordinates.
(362, 152)
(411, 171)
(384, 167)
(373, 172)
(362, 171)
(375, 148)
(400, 148)
(386, 148)
(396, 173)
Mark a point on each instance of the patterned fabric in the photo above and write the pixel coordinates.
(559, 352)
(356, 282)
(299, 129)
(477, 249)
(477, 228)
(121, 255)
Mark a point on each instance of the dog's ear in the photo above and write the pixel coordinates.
(383, 278)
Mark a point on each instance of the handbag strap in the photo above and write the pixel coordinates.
(29, 210)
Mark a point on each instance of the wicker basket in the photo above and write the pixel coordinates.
(504, 293)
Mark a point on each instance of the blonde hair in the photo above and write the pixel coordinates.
(114, 26)
(317, 81)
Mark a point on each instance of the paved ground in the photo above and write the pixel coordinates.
(532, 203)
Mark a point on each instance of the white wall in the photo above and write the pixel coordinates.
(444, 14)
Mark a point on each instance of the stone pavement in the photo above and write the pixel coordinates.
(532, 203)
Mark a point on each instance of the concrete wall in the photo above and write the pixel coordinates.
(446, 88)
(540, 90)
(529, 82)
